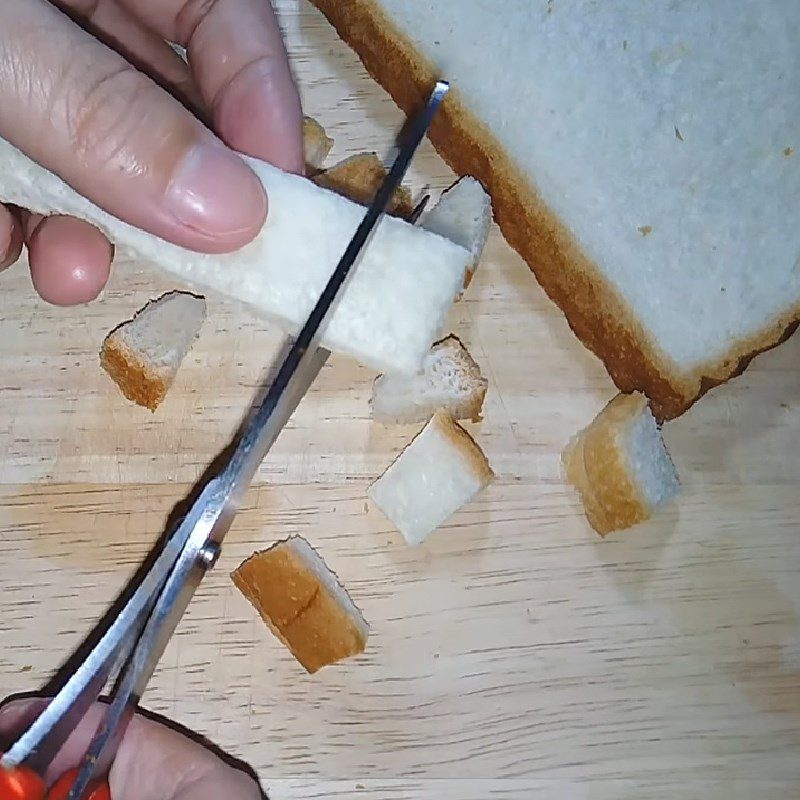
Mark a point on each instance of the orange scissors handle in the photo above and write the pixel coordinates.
(22, 783)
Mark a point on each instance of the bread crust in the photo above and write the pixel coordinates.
(298, 608)
(469, 448)
(595, 311)
(359, 177)
(137, 381)
(595, 463)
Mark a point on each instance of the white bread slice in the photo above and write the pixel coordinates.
(303, 603)
(359, 177)
(392, 308)
(143, 355)
(642, 158)
(441, 470)
(620, 465)
(316, 144)
(463, 214)
(449, 380)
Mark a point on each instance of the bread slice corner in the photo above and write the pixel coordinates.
(441, 470)
(303, 603)
(359, 177)
(620, 465)
(463, 214)
(450, 380)
(142, 355)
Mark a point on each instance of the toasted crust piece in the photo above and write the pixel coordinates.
(136, 379)
(594, 309)
(142, 355)
(599, 463)
(450, 380)
(359, 177)
(316, 144)
(303, 603)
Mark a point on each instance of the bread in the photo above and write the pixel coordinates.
(439, 472)
(620, 465)
(143, 355)
(303, 603)
(392, 308)
(316, 144)
(359, 177)
(640, 158)
(449, 380)
(463, 214)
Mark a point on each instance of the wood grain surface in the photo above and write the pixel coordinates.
(516, 654)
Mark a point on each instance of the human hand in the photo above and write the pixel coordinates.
(81, 109)
(153, 762)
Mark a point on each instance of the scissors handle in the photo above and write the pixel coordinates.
(22, 783)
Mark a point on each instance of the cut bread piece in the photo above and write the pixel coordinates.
(303, 603)
(463, 215)
(359, 177)
(620, 465)
(143, 355)
(316, 144)
(449, 380)
(438, 473)
(612, 140)
(392, 308)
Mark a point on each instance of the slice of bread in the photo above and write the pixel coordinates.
(441, 470)
(640, 156)
(449, 380)
(303, 603)
(359, 177)
(143, 355)
(620, 465)
(392, 308)
(316, 144)
(463, 215)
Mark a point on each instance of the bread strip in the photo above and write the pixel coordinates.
(392, 308)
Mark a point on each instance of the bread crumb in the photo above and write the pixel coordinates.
(26, 668)
(645, 230)
(788, 151)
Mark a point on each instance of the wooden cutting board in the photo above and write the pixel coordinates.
(516, 654)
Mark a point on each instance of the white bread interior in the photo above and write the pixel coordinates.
(392, 308)
(463, 214)
(450, 379)
(440, 471)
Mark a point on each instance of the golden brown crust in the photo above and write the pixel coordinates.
(469, 448)
(298, 608)
(359, 177)
(594, 310)
(316, 145)
(136, 380)
(597, 466)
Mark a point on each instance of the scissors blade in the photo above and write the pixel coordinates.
(297, 372)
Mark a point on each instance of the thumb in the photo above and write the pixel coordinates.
(79, 109)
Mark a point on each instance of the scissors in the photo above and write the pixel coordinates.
(128, 649)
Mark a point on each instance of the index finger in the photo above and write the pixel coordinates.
(239, 62)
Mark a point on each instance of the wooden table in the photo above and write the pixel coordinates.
(516, 654)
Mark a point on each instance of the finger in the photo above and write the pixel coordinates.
(239, 61)
(10, 238)
(153, 762)
(81, 110)
(70, 260)
(146, 50)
